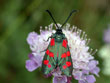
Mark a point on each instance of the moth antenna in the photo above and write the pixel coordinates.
(52, 18)
(73, 11)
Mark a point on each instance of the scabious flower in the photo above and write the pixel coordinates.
(104, 52)
(84, 65)
(107, 35)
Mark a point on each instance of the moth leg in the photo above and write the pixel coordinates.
(43, 50)
(48, 39)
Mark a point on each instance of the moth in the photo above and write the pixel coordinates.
(58, 53)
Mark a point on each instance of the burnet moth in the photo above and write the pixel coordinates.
(57, 53)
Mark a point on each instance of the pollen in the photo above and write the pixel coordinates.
(52, 42)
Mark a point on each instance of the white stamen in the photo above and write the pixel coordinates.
(71, 29)
(46, 27)
(80, 32)
(83, 35)
(40, 29)
(91, 50)
(88, 41)
(75, 29)
(94, 52)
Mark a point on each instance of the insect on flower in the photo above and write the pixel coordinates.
(57, 53)
(63, 53)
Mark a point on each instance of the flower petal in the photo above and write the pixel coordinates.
(31, 38)
(37, 59)
(56, 72)
(95, 71)
(31, 65)
(92, 64)
(85, 71)
(81, 81)
(34, 62)
(60, 79)
(48, 75)
(107, 35)
(90, 79)
(77, 74)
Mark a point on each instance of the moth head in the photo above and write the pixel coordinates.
(59, 36)
(59, 31)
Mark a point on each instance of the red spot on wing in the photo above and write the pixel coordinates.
(68, 63)
(52, 42)
(51, 54)
(64, 44)
(64, 66)
(46, 62)
(47, 52)
(68, 53)
(63, 55)
(49, 66)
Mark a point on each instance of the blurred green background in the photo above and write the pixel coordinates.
(19, 17)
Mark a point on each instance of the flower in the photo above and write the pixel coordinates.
(34, 62)
(89, 79)
(104, 53)
(84, 65)
(106, 37)
(60, 79)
